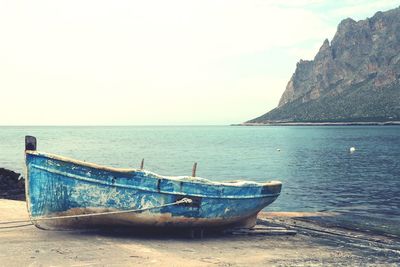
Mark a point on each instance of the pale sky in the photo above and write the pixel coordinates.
(157, 62)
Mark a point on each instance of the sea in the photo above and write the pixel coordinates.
(314, 163)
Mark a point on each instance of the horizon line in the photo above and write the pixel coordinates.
(112, 125)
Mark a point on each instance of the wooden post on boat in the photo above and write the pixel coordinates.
(194, 169)
(142, 164)
(30, 142)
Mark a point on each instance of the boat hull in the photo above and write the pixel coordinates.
(58, 186)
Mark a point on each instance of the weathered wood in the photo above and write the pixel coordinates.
(30, 143)
(142, 164)
(214, 199)
(260, 230)
(194, 169)
(317, 228)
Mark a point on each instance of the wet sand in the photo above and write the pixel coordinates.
(313, 245)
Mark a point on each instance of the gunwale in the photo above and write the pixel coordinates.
(197, 180)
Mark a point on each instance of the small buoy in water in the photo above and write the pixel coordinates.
(352, 149)
(278, 149)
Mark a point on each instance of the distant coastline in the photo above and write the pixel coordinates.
(355, 123)
(352, 79)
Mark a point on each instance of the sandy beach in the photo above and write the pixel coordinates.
(313, 245)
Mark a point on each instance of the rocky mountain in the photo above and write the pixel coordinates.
(355, 77)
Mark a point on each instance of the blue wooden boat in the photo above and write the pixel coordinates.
(64, 193)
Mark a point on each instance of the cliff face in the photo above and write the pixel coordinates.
(353, 78)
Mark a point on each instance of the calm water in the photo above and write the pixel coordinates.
(314, 163)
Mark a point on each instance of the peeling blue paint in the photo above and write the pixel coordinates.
(56, 185)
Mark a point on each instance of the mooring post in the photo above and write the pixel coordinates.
(30, 142)
(194, 169)
(142, 164)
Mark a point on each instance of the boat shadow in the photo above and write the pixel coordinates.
(152, 233)
(262, 228)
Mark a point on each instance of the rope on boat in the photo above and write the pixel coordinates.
(16, 226)
(181, 201)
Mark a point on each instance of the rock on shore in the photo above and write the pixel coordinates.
(12, 185)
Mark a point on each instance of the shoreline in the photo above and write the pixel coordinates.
(312, 244)
(355, 123)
